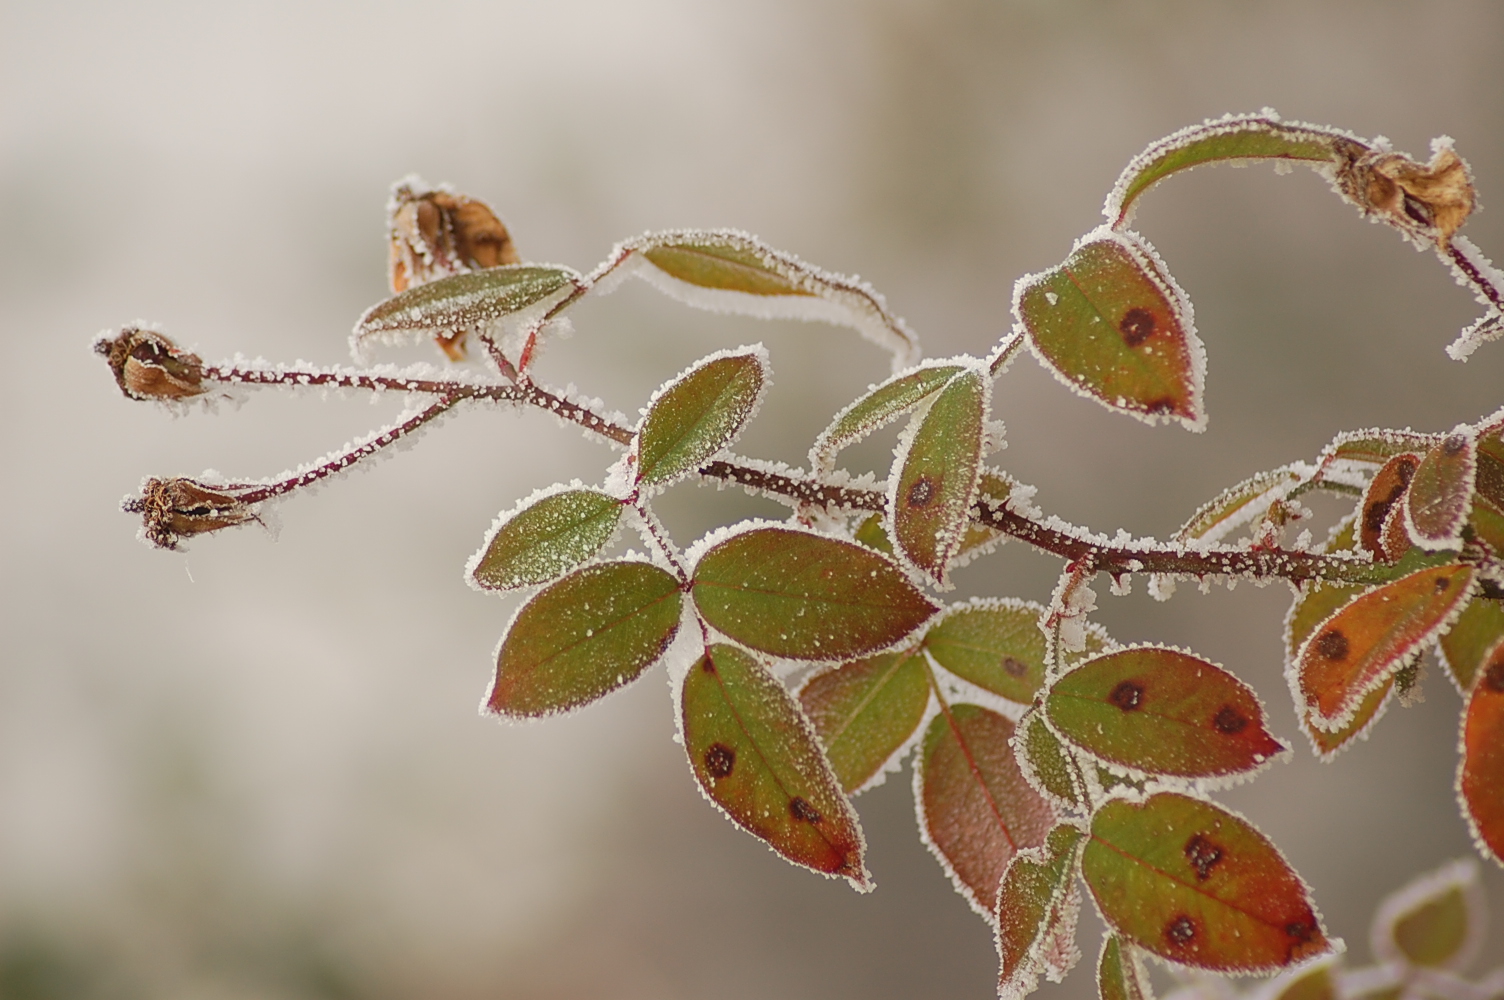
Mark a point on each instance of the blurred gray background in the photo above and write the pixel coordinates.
(257, 770)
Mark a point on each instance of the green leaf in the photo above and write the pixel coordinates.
(1194, 884)
(1313, 981)
(697, 415)
(1487, 522)
(975, 808)
(1241, 504)
(805, 596)
(729, 271)
(1113, 325)
(1160, 711)
(866, 711)
(1480, 774)
(881, 405)
(1240, 138)
(1046, 764)
(546, 539)
(935, 478)
(872, 534)
(1374, 447)
(470, 301)
(754, 755)
(1120, 972)
(1369, 639)
(1433, 922)
(1441, 493)
(1490, 477)
(1037, 906)
(583, 637)
(995, 644)
(1466, 645)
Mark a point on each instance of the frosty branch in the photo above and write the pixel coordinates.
(1045, 754)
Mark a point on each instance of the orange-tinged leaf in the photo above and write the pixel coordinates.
(975, 808)
(755, 755)
(1195, 884)
(1161, 711)
(1466, 645)
(1368, 640)
(1436, 921)
(935, 476)
(1441, 493)
(1480, 776)
(1037, 906)
(1114, 326)
(1382, 503)
(866, 711)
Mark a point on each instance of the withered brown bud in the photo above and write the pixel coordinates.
(149, 366)
(435, 233)
(1431, 200)
(174, 509)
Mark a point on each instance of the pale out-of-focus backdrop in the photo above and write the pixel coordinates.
(256, 769)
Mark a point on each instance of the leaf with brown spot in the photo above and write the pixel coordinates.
(1381, 510)
(1480, 775)
(1161, 711)
(1113, 325)
(1148, 865)
(755, 756)
(1440, 496)
(936, 475)
(975, 808)
(995, 644)
(1037, 906)
(1369, 639)
(866, 711)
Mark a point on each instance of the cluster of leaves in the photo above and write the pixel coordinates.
(1045, 754)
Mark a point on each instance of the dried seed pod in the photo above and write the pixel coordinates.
(434, 233)
(147, 365)
(1429, 201)
(174, 509)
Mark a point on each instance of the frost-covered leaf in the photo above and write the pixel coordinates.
(1120, 972)
(546, 539)
(1381, 529)
(1374, 447)
(1490, 476)
(1487, 522)
(993, 490)
(1467, 643)
(1480, 776)
(1436, 921)
(1241, 138)
(872, 534)
(866, 711)
(1238, 505)
(475, 300)
(935, 477)
(697, 415)
(1441, 492)
(995, 644)
(1194, 884)
(1369, 639)
(583, 637)
(881, 405)
(733, 272)
(1111, 322)
(1161, 711)
(975, 808)
(1046, 764)
(755, 755)
(1315, 980)
(1037, 905)
(805, 596)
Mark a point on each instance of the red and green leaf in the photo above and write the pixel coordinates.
(1160, 711)
(1440, 497)
(935, 477)
(755, 755)
(1434, 922)
(1367, 641)
(1192, 883)
(975, 808)
(583, 637)
(881, 405)
(1381, 529)
(865, 712)
(994, 644)
(696, 416)
(1120, 972)
(805, 596)
(1037, 906)
(546, 539)
(1480, 776)
(1114, 326)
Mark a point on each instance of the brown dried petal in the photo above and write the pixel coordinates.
(147, 365)
(1432, 200)
(174, 509)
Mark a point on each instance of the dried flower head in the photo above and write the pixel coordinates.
(1430, 200)
(147, 365)
(174, 509)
